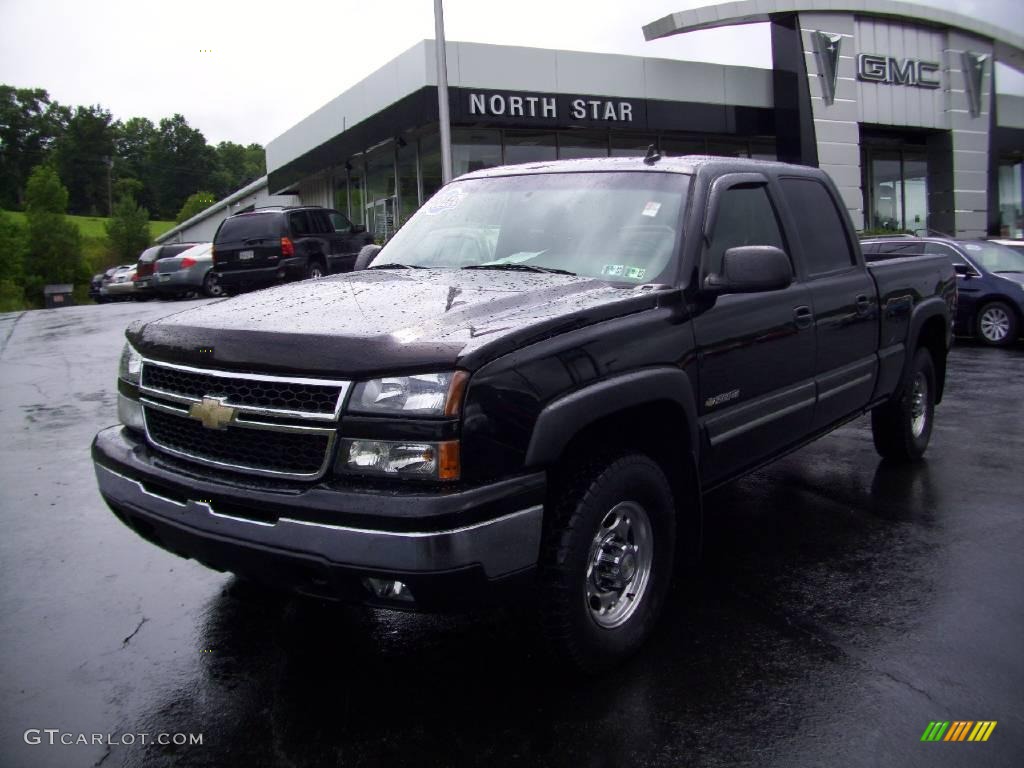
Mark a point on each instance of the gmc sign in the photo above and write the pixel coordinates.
(887, 69)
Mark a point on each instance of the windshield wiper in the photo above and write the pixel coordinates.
(1008, 271)
(522, 268)
(396, 266)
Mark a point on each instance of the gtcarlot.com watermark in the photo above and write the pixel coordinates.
(54, 736)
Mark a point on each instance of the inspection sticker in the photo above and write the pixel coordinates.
(651, 209)
(613, 270)
(446, 201)
(636, 273)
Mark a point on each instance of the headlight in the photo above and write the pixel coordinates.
(130, 369)
(425, 394)
(129, 413)
(432, 461)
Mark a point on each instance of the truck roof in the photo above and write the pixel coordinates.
(684, 164)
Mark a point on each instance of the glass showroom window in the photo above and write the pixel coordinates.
(473, 150)
(408, 187)
(430, 164)
(670, 145)
(529, 147)
(631, 145)
(576, 144)
(380, 191)
(1011, 192)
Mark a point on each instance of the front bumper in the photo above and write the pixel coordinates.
(451, 548)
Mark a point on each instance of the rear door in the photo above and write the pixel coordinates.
(843, 297)
(755, 350)
(249, 241)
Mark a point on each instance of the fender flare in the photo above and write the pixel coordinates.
(934, 306)
(564, 417)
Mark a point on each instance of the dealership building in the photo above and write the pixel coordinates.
(897, 101)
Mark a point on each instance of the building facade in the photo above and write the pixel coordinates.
(897, 101)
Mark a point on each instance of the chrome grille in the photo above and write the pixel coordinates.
(281, 427)
(277, 393)
(286, 453)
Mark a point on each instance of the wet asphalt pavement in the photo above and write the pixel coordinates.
(843, 604)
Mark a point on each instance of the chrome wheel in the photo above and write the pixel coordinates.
(995, 324)
(619, 565)
(919, 405)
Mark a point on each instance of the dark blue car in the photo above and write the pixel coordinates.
(990, 282)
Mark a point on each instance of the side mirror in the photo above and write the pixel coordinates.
(366, 254)
(358, 229)
(751, 269)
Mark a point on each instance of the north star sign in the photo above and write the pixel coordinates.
(887, 69)
(554, 108)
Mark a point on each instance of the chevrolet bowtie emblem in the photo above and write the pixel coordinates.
(212, 412)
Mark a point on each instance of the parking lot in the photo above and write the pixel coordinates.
(843, 605)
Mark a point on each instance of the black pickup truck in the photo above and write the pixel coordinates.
(527, 392)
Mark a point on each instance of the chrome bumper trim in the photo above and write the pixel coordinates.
(501, 546)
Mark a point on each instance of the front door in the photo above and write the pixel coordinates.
(756, 351)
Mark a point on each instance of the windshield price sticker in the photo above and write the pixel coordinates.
(651, 209)
(621, 270)
(446, 201)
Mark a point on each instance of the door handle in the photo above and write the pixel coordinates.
(863, 304)
(803, 316)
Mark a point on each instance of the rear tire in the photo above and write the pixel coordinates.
(606, 560)
(996, 324)
(315, 270)
(902, 428)
(211, 285)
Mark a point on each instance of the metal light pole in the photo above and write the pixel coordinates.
(442, 94)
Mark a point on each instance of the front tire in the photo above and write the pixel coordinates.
(606, 560)
(902, 428)
(996, 324)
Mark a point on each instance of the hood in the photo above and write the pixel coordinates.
(385, 321)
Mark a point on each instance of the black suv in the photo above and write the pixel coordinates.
(275, 245)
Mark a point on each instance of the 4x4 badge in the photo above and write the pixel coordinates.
(212, 413)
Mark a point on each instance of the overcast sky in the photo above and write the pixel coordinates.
(230, 67)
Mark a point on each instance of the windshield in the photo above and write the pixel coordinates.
(995, 257)
(622, 227)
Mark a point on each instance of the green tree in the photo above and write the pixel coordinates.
(181, 162)
(236, 167)
(54, 243)
(197, 203)
(29, 125)
(133, 141)
(128, 230)
(83, 154)
(13, 247)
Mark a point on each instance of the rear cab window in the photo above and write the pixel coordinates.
(825, 242)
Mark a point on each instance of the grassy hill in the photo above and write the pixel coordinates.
(93, 226)
(94, 249)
